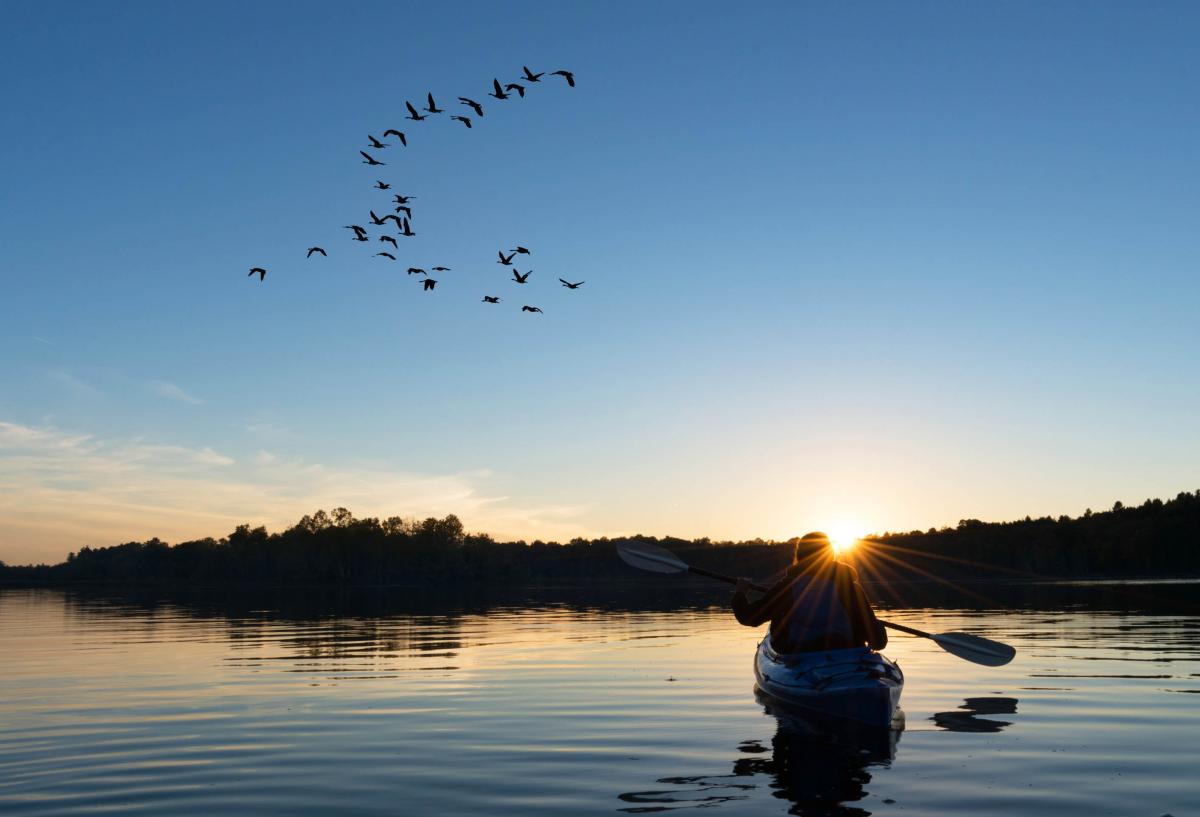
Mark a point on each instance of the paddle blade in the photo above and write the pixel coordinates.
(975, 648)
(650, 557)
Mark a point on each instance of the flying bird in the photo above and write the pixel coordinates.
(429, 284)
(512, 86)
(400, 208)
(359, 233)
(498, 92)
(570, 77)
(472, 104)
(403, 199)
(262, 273)
(432, 107)
(521, 250)
(368, 159)
(519, 278)
(412, 113)
(399, 225)
(312, 250)
(386, 255)
(530, 76)
(375, 143)
(382, 185)
(462, 119)
(440, 269)
(397, 134)
(407, 229)
(531, 309)
(416, 271)
(490, 299)
(391, 241)
(569, 285)
(376, 220)
(506, 260)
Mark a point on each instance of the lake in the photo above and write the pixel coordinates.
(571, 702)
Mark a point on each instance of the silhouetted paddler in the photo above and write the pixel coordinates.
(498, 93)
(389, 240)
(386, 255)
(519, 278)
(570, 77)
(412, 113)
(530, 76)
(375, 143)
(262, 273)
(512, 86)
(490, 299)
(506, 260)
(530, 309)
(432, 107)
(382, 185)
(368, 159)
(312, 250)
(429, 284)
(397, 134)
(569, 285)
(462, 119)
(475, 106)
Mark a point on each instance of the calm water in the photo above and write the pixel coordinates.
(598, 707)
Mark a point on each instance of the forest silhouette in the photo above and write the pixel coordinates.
(1156, 538)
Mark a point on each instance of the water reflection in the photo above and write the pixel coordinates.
(966, 717)
(819, 765)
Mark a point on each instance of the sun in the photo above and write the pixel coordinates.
(843, 536)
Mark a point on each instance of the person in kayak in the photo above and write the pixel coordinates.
(817, 605)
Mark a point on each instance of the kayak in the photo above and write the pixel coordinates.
(857, 683)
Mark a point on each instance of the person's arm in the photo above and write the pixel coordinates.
(861, 612)
(759, 611)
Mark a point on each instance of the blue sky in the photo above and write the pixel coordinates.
(878, 267)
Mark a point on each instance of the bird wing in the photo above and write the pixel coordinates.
(431, 102)
(411, 109)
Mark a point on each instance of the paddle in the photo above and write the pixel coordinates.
(974, 648)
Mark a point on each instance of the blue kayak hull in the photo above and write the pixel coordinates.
(857, 684)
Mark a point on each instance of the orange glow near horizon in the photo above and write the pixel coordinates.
(843, 537)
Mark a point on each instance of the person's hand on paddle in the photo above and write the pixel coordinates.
(744, 586)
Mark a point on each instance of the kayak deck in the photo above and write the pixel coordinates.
(857, 683)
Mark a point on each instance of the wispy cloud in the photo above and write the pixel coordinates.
(72, 383)
(167, 389)
(61, 490)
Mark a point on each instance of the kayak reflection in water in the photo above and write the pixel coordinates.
(817, 764)
(817, 605)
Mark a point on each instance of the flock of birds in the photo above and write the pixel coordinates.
(402, 216)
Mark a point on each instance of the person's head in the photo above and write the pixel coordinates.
(811, 548)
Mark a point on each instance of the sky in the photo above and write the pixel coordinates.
(864, 266)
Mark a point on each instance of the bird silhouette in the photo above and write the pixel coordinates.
(570, 77)
(397, 134)
(519, 278)
(387, 255)
(530, 76)
(392, 241)
(368, 159)
(375, 143)
(312, 250)
(531, 309)
(400, 208)
(521, 250)
(490, 299)
(262, 273)
(472, 104)
(382, 185)
(497, 91)
(412, 113)
(360, 234)
(506, 260)
(407, 229)
(403, 199)
(512, 86)
(429, 284)
(376, 220)
(389, 216)
(416, 271)
(440, 269)
(462, 119)
(569, 285)
(432, 106)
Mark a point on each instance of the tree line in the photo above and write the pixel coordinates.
(1156, 538)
